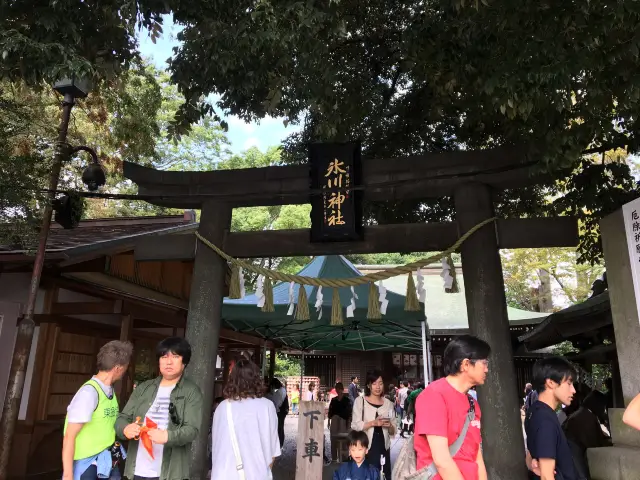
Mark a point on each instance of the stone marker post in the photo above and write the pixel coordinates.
(310, 455)
(622, 461)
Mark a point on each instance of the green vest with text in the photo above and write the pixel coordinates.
(99, 433)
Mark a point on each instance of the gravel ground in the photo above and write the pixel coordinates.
(285, 466)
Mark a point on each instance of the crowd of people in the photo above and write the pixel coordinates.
(163, 416)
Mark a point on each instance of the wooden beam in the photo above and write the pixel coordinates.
(184, 248)
(244, 338)
(402, 238)
(45, 349)
(159, 316)
(126, 383)
(83, 308)
(94, 265)
(404, 178)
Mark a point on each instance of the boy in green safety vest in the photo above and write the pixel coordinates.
(89, 433)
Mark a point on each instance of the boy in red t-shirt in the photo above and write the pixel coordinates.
(441, 411)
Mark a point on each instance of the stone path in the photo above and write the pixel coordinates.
(285, 466)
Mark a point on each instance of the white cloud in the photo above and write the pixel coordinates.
(236, 123)
(251, 142)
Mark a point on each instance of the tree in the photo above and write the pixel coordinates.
(117, 119)
(277, 217)
(203, 148)
(403, 77)
(286, 366)
(527, 270)
(44, 41)
(410, 77)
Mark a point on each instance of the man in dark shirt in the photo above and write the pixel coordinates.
(353, 389)
(553, 380)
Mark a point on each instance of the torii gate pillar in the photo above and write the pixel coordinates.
(503, 442)
(203, 322)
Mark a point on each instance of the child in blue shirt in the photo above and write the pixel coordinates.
(357, 468)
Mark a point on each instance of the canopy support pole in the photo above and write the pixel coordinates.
(426, 353)
(263, 361)
(301, 375)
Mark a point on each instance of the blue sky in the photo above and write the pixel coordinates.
(269, 132)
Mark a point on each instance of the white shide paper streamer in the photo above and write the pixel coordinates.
(318, 304)
(352, 306)
(260, 292)
(446, 274)
(242, 289)
(382, 298)
(422, 293)
(292, 305)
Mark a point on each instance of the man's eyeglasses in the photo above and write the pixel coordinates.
(173, 414)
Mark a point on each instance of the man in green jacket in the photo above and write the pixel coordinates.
(174, 403)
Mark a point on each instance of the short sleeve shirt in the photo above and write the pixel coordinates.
(85, 401)
(256, 428)
(545, 439)
(441, 411)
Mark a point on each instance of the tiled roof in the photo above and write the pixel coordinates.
(101, 231)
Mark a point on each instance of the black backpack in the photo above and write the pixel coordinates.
(284, 408)
(530, 399)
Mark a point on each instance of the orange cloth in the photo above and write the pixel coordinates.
(144, 434)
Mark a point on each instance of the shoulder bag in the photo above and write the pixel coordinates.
(405, 466)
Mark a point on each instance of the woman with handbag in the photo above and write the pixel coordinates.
(372, 414)
(244, 436)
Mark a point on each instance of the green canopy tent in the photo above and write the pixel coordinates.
(397, 330)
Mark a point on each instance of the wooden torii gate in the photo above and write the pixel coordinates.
(469, 177)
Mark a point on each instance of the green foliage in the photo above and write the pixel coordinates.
(286, 366)
(410, 77)
(118, 119)
(522, 269)
(46, 40)
(403, 77)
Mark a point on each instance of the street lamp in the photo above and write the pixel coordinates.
(71, 88)
(70, 207)
(93, 176)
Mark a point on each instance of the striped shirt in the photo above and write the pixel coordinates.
(159, 413)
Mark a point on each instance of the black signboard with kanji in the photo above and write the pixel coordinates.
(336, 209)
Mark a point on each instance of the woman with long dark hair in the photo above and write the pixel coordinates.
(245, 427)
(373, 415)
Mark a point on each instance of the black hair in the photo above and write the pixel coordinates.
(405, 383)
(461, 348)
(353, 378)
(339, 386)
(275, 383)
(175, 345)
(372, 376)
(596, 402)
(557, 369)
(356, 437)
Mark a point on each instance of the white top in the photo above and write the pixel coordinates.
(358, 419)
(403, 393)
(159, 413)
(256, 426)
(307, 396)
(85, 401)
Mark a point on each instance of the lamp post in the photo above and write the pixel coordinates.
(71, 89)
